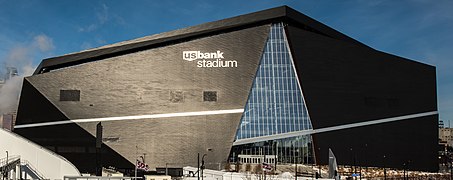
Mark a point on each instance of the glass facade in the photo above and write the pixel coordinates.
(287, 151)
(275, 105)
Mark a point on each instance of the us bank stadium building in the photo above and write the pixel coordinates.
(274, 82)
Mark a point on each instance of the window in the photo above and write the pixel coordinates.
(275, 104)
(69, 95)
(210, 96)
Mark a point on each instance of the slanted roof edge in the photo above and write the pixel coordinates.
(257, 18)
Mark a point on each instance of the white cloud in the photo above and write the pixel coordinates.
(20, 57)
(86, 45)
(43, 42)
(89, 28)
(102, 17)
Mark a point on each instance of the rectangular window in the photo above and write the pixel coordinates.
(210, 96)
(69, 95)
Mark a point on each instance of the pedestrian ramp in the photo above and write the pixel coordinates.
(24, 159)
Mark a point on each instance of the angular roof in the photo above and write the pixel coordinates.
(282, 13)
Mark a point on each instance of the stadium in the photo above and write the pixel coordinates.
(274, 82)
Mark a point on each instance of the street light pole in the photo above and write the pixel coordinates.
(295, 174)
(385, 172)
(198, 166)
(353, 162)
(404, 171)
(7, 172)
(319, 164)
(202, 166)
(295, 160)
(276, 154)
(451, 169)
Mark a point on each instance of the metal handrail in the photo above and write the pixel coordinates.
(32, 168)
(16, 159)
(10, 159)
(5, 164)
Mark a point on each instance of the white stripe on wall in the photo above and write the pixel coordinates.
(333, 128)
(121, 118)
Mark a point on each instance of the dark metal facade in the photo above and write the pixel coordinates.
(344, 83)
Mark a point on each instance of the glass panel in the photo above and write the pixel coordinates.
(289, 150)
(275, 104)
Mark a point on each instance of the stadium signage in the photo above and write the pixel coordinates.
(208, 59)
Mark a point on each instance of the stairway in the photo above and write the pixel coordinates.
(25, 169)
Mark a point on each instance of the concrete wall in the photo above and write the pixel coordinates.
(49, 164)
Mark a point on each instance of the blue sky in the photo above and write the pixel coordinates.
(418, 29)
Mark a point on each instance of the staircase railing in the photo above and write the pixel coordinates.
(7, 165)
(33, 169)
(10, 159)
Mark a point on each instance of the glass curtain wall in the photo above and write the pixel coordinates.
(275, 105)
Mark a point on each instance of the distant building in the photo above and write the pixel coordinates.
(10, 73)
(9, 115)
(6, 121)
(446, 136)
(2, 79)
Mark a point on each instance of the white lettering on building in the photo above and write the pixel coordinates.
(208, 59)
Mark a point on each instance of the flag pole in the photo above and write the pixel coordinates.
(136, 149)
